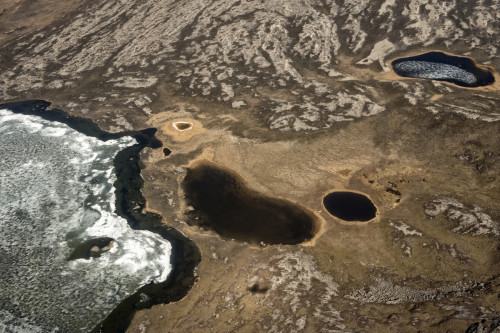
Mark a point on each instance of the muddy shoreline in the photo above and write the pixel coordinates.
(130, 204)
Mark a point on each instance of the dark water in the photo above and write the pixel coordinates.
(443, 67)
(166, 152)
(184, 256)
(222, 202)
(350, 206)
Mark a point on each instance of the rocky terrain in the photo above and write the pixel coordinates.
(298, 98)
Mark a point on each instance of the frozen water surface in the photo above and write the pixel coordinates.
(440, 66)
(435, 71)
(56, 191)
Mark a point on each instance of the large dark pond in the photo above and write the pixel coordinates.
(439, 66)
(350, 206)
(223, 203)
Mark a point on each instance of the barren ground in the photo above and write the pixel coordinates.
(298, 99)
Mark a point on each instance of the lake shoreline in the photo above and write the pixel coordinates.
(130, 204)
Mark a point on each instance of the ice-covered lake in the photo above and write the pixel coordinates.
(56, 192)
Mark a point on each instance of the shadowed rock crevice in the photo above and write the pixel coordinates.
(439, 66)
(222, 202)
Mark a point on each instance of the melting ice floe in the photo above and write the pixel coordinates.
(56, 190)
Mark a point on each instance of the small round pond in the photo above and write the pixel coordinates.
(182, 125)
(167, 152)
(350, 206)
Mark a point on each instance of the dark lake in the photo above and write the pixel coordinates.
(440, 66)
(350, 206)
(223, 203)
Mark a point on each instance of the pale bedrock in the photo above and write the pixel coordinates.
(221, 49)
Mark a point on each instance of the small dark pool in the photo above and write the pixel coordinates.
(167, 151)
(440, 66)
(350, 206)
(222, 202)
